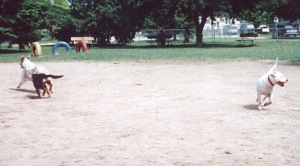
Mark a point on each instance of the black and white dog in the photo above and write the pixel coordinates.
(40, 81)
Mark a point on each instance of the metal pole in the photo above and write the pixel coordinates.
(276, 31)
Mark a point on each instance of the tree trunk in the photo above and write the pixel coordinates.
(52, 26)
(199, 30)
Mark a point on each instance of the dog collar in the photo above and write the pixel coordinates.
(270, 81)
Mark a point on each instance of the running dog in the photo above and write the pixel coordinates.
(266, 83)
(40, 81)
(29, 69)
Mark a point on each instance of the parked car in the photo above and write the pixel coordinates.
(247, 28)
(287, 30)
(297, 26)
(263, 29)
(230, 30)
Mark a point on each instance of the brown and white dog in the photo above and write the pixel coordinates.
(266, 83)
(30, 69)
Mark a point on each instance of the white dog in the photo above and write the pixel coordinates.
(30, 68)
(266, 83)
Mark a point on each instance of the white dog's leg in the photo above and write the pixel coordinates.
(23, 79)
(270, 100)
(264, 99)
(260, 106)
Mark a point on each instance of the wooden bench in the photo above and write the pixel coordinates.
(151, 41)
(245, 38)
(87, 40)
(155, 41)
(153, 38)
(156, 36)
(241, 41)
(169, 41)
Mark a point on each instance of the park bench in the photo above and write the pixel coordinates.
(153, 38)
(87, 40)
(245, 38)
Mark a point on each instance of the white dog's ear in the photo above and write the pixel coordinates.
(273, 74)
(28, 57)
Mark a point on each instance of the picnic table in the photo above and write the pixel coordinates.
(245, 38)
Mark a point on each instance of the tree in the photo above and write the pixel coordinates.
(23, 21)
(132, 15)
(8, 11)
(198, 11)
(27, 26)
(105, 18)
(265, 11)
(262, 13)
(287, 9)
(165, 16)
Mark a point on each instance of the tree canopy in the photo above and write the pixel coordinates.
(21, 21)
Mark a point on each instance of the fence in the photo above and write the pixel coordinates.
(218, 33)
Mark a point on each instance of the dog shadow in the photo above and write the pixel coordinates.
(33, 97)
(250, 107)
(23, 90)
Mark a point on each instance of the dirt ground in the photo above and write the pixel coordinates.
(149, 113)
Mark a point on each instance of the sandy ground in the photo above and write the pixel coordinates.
(146, 113)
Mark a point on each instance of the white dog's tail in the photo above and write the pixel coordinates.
(271, 70)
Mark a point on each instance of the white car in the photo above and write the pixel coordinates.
(263, 29)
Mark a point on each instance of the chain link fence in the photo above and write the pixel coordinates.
(281, 32)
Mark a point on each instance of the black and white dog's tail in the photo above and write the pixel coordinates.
(45, 76)
(40, 80)
(52, 76)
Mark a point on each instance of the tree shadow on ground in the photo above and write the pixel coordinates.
(13, 51)
(152, 46)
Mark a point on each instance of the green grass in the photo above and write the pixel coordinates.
(213, 50)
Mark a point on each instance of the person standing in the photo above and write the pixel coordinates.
(186, 38)
(161, 39)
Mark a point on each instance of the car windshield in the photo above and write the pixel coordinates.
(288, 27)
(250, 27)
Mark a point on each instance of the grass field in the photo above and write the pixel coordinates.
(220, 49)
